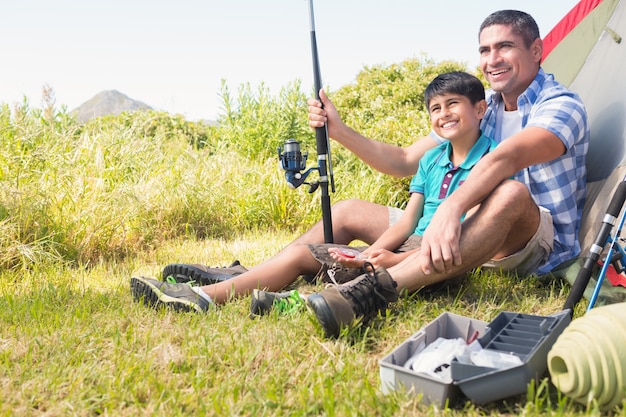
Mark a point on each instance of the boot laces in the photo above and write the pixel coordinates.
(365, 294)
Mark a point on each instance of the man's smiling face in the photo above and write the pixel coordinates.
(508, 65)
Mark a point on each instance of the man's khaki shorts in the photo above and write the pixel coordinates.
(534, 254)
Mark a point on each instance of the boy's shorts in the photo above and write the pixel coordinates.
(523, 262)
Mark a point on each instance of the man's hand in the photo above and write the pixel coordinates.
(323, 115)
(440, 244)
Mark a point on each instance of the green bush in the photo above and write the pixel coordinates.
(117, 185)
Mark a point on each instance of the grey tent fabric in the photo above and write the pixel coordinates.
(591, 60)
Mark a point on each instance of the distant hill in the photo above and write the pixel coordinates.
(107, 102)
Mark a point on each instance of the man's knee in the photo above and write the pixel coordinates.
(511, 194)
(517, 208)
(512, 188)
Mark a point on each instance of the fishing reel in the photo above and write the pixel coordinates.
(293, 162)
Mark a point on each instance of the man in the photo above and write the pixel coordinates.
(528, 225)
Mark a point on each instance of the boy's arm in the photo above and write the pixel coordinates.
(383, 157)
(397, 233)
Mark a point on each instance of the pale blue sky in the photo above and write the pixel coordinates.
(173, 55)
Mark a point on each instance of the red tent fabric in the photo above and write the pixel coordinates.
(565, 25)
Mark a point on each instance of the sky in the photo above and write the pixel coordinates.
(174, 54)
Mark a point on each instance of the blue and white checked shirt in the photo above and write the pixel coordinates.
(558, 185)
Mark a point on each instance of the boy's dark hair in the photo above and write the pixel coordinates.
(521, 23)
(455, 82)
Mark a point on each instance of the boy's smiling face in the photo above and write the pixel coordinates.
(453, 116)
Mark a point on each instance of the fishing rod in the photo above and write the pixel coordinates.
(293, 161)
(322, 141)
(608, 260)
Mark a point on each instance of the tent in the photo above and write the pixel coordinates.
(585, 51)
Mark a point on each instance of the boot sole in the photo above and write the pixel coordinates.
(183, 273)
(151, 296)
(324, 315)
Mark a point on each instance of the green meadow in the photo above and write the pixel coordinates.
(84, 207)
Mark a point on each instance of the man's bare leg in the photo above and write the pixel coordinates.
(502, 225)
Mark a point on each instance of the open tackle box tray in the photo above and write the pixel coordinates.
(529, 337)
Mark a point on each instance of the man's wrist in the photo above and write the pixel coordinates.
(452, 210)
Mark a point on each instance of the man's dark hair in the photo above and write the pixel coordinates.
(455, 82)
(521, 23)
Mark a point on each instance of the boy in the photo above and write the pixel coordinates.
(456, 104)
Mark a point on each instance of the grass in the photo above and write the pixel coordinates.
(83, 208)
(72, 342)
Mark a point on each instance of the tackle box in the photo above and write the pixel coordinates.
(529, 337)
(395, 376)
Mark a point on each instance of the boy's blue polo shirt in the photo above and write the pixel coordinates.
(436, 177)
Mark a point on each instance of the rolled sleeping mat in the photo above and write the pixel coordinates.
(588, 360)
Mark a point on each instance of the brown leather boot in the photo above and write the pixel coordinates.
(364, 296)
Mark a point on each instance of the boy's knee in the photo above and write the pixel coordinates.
(344, 210)
(297, 249)
(344, 205)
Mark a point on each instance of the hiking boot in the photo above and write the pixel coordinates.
(363, 297)
(196, 274)
(154, 293)
(264, 301)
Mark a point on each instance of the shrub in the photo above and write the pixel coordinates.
(117, 185)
